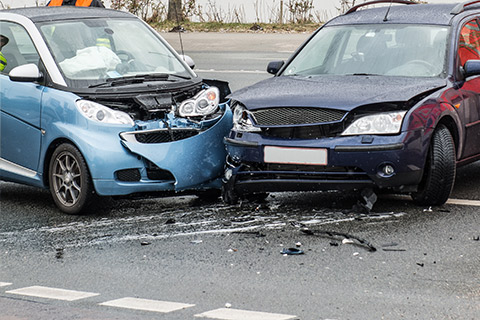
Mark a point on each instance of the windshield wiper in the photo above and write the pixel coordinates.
(141, 78)
(363, 74)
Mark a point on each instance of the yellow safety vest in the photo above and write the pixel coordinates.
(3, 62)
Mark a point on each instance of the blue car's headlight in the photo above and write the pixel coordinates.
(381, 123)
(99, 113)
(241, 120)
(203, 103)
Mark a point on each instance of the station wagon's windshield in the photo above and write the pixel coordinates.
(391, 50)
(89, 51)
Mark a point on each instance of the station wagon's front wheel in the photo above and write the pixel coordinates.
(70, 183)
(439, 172)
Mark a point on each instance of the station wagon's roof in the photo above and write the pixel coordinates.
(415, 13)
(41, 14)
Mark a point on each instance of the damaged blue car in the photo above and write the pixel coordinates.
(386, 98)
(95, 103)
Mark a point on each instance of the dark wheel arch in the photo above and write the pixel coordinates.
(439, 171)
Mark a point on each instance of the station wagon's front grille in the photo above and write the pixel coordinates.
(162, 136)
(302, 172)
(295, 115)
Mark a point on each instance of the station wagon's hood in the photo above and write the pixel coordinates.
(338, 92)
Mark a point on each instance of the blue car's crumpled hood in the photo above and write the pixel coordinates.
(337, 92)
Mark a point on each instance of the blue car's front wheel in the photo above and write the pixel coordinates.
(70, 183)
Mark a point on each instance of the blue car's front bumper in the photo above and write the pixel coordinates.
(123, 167)
(353, 162)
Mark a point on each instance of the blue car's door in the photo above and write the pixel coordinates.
(20, 104)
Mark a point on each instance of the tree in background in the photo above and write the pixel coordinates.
(175, 10)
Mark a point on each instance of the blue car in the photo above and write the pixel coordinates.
(386, 98)
(95, 103)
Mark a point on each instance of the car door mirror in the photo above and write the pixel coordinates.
(25, 73)
(275, 66)
(472, 68)
(189, 61)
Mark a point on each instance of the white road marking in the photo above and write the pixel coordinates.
(232, 71)
(53, 293)
(236, 314)
(146, 305)
(5, 284)
(462, 202)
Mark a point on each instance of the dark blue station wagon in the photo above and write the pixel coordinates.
(382, 98)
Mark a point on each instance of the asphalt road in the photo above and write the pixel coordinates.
(181, 258)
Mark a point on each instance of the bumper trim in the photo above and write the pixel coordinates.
(240, 143)
(383, 147)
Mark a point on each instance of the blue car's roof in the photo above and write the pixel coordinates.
(415, 13)
(41, 14)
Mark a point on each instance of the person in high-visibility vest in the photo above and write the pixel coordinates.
(77, 3)
(3, 61)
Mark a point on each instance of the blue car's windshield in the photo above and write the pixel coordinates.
(89, 51)
(390, 50)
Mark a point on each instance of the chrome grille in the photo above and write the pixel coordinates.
(299, 115)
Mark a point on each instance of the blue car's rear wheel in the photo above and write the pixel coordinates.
(70, 183)
(439, 176)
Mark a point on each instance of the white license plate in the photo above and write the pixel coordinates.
(311, 156)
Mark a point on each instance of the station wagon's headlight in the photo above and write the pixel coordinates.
(203, 103)
(381, 123)
(241, 120)
(97, 112)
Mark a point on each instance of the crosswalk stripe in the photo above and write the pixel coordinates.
(4, 284)
(52, 293)
(146, 305)
(236, 314)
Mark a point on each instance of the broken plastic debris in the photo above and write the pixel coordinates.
(232, 250)
(298, 244)
(196, 241)
(477, 238)
(291, 251)
(428, 210)
(347, 241)
(228, 305)
(145, 243)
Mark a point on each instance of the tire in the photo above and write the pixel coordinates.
(69, 180)
(439, 172)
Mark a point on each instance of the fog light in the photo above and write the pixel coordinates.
(388, 170)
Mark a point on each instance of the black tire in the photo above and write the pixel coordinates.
(440, 169)
(69, 180)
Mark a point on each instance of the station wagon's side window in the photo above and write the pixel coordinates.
(20, 49)
(469, 44)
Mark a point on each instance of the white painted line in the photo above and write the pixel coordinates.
(146, 305)
(235, 314)
(52, 293)
(462, 202)
(5, 284)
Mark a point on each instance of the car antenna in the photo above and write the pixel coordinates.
(388, 11)
(179, 28)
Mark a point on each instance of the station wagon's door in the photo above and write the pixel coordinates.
(469, 49)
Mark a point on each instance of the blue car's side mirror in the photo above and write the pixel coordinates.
(275, 66)
(25, 73)
(472, 68)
